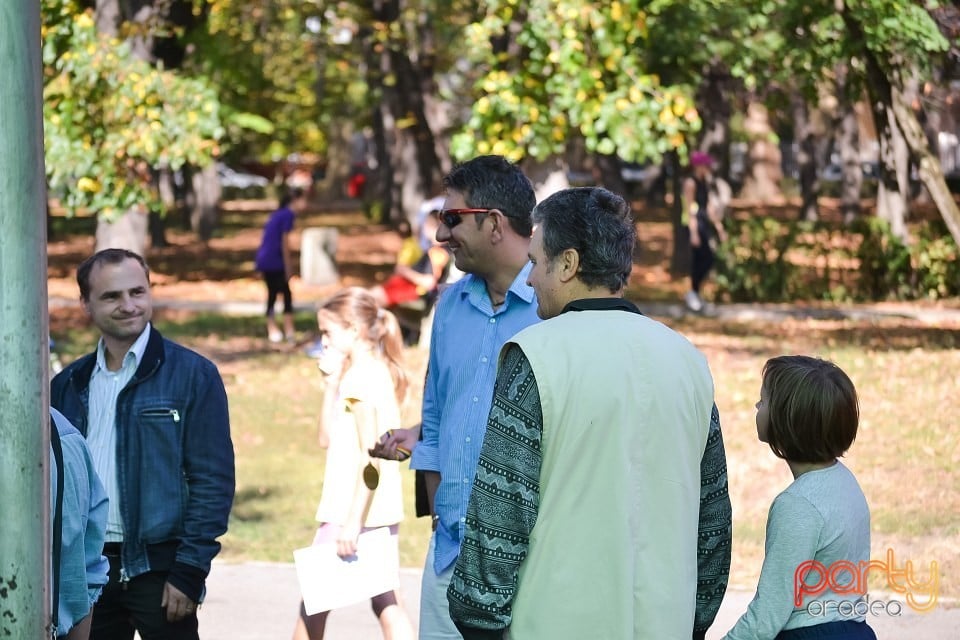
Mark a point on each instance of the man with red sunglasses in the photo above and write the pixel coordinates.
(486, 225)
(471, 316)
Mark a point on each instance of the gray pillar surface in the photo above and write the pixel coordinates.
(24, 394)
(318, 251)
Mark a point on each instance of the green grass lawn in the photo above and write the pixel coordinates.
(907, 454)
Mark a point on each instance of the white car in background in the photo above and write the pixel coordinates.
(233, 179)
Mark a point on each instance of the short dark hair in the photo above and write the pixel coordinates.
(812, 409)
(291, 194)
(598, 225)
(107, 256)
(493, 182)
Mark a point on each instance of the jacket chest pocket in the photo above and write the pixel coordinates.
(161, 433)
(162, 491)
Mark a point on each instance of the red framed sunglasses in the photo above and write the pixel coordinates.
(453, 217)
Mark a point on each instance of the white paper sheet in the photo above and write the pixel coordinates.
(329, 582)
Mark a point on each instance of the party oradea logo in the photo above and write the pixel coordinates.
(844, 578)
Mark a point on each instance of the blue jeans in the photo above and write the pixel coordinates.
(840, 630)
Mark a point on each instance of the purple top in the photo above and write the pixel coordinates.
(270, 254)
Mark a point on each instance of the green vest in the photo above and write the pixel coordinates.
(626, 410)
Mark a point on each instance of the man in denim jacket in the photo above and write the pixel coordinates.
(155, 418)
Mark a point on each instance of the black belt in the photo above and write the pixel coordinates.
(112, 549)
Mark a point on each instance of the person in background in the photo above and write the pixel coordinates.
(703, 220)
(274, 261)
(419, 278)
(429, 206)
(485, 223)
(364, 386)
(808, 414)
(81, 569)
(155, 418)
(586, 502)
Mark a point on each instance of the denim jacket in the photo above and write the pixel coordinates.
(175, 463)
(83, 571)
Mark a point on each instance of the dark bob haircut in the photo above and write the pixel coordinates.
(812, 407)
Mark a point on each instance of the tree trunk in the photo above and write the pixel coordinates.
(763, 177)
(410, 169)
(377, 192)
(680, 260)
(438, 114)
(806, 159)
(930, 172)
(894, 113)
(128, 231)
(339, 160)
(548, 176)
(893, 188)
(609, 175)
(157, 226)
(158, 219)
(422, 175)
(849, 139)
(714, 105)
(894, 157)
(107, 17)
(203, 217)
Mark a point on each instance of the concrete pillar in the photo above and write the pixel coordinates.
(24, 390)
(318, 250)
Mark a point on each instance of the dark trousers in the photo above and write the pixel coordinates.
(703, 258)
(122, 609)
(277, 284)
(841, 630)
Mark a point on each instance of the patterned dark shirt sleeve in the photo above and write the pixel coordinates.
(715, 530)
(503, 504)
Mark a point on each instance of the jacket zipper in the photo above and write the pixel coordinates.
(173, 413)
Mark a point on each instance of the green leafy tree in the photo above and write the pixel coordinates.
(881, 47)
(900, 42)
(109, 117)
(269, 73)
(565, 68)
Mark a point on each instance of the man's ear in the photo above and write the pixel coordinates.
(498, 220)
(568, 265)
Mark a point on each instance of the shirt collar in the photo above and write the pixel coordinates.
(519, 286)
(601, 304)
(135, 352)
(476, 287)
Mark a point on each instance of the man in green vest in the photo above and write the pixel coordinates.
(583, 518)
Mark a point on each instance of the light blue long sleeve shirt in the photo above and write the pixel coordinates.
(465, 343)
(83, 569)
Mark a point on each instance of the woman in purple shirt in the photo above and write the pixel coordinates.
(274, 262)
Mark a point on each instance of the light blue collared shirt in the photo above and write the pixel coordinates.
(465, 344)
(105, 387)
(83, 570)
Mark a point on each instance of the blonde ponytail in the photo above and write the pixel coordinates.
(391, 346)
(356, 307)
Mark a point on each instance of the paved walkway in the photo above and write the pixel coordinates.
(258, 601)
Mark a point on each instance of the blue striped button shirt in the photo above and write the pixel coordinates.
(464, 347)
(105, 388)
